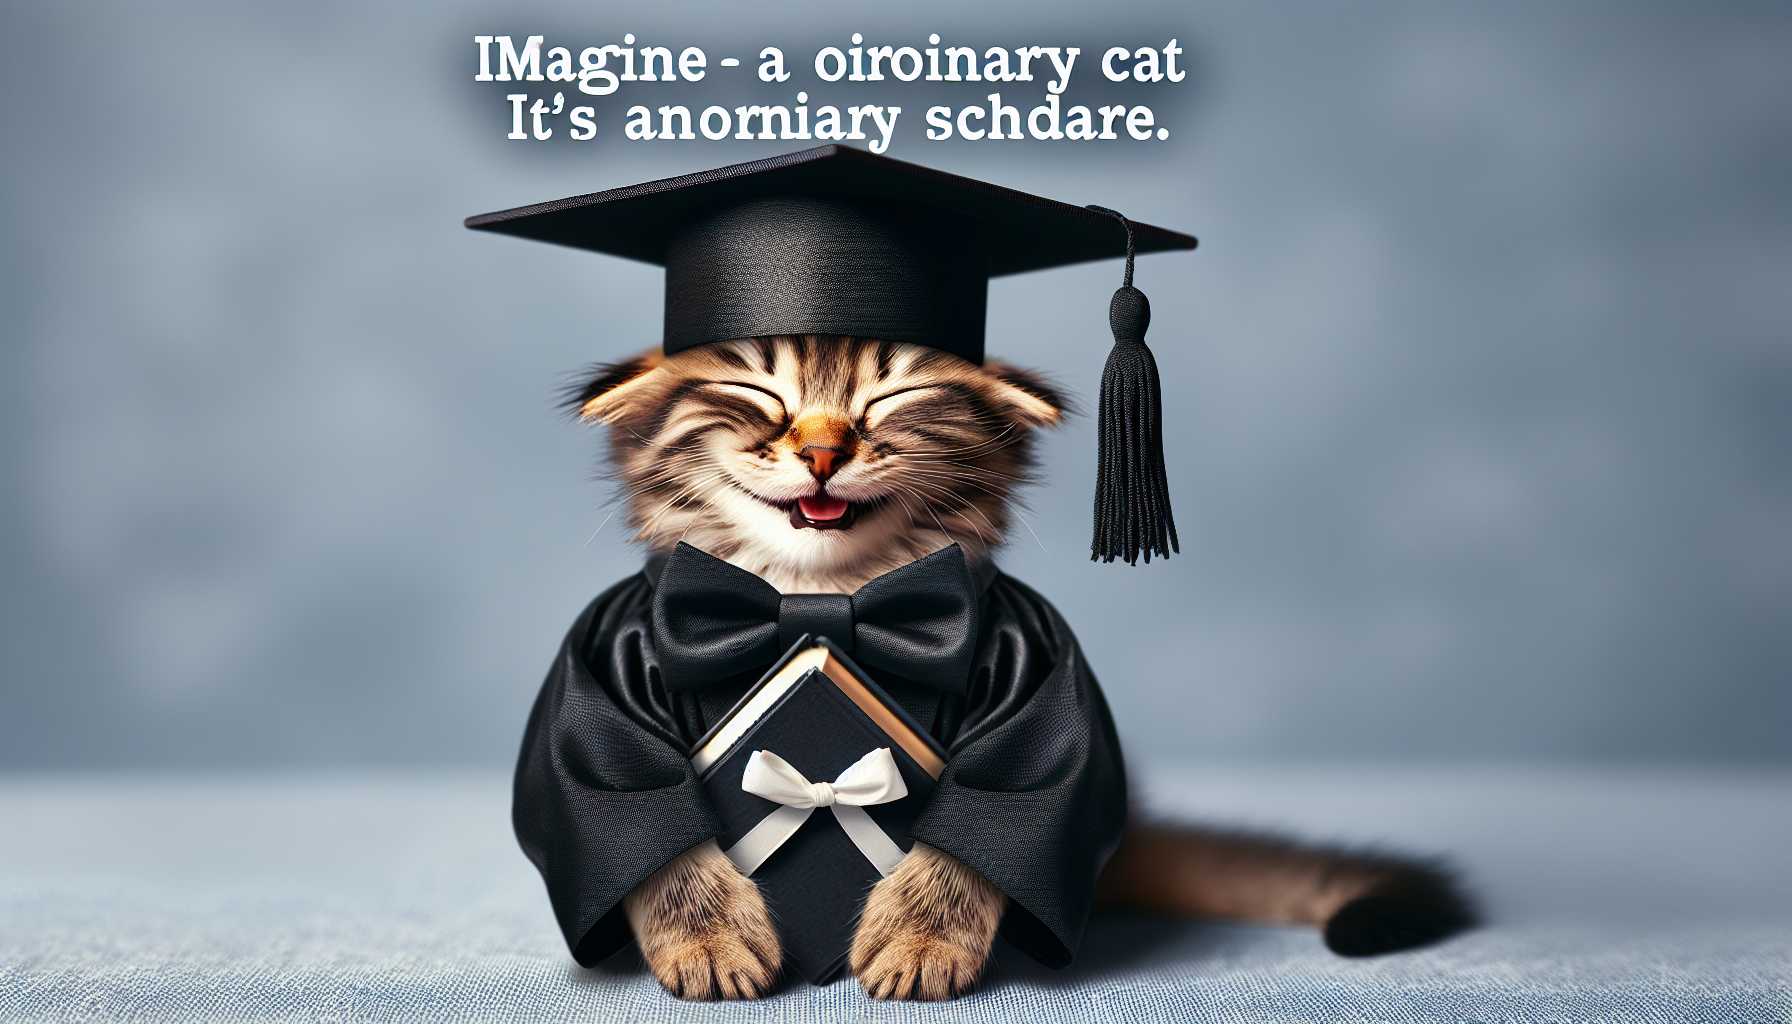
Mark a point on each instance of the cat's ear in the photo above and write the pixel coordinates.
(1026, 396)
(605, 391)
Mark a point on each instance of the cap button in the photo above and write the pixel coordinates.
(1129, 314)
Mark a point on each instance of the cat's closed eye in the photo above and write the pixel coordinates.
(764, 399)
(880, 407)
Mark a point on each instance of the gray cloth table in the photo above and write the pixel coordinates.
(1615, 896)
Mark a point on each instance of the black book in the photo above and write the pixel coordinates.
(820, 715)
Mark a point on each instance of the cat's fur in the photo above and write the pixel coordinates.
(714, 446)
(708, 447)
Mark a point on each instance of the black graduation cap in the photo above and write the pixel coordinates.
(835, 240)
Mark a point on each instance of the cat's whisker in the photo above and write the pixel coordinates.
(966, 469)
(953, 479)
(672, 475)
(655, 445)
(955, 510)
(707, 511)
(978, 463)
(606, 520)
(645, 490)
(914, 520)
(967, 503)
(989, 445)
(660, 481)
(666, 471)
(968, 506)
(684, 494)
(1018, 514)
(997, 436)
(980, 451)
(936, 520)
(1014, 508)
(689, 490)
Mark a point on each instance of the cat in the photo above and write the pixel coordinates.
(818, 463)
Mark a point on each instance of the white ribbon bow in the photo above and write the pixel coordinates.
(872, 779)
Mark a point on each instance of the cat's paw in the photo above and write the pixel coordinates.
(1415, 909)
(704, 930)
(926, 930)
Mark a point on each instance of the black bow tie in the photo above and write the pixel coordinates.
(714, 621)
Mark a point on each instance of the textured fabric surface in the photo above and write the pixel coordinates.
(1616, 897)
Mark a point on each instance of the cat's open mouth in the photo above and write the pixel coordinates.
(822, 512)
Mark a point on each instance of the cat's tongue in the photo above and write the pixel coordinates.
(821, 508)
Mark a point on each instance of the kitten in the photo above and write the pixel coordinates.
(720, 446)
(727, 447)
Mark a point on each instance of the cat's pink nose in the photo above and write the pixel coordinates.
(823, 460)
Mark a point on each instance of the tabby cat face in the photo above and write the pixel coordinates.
(817, 462)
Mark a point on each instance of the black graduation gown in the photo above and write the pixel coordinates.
(1033, 795)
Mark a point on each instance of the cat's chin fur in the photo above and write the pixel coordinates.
(760, 539)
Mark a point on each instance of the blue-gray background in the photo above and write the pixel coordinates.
(1482, 441)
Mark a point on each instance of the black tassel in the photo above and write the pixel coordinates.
(1132, 493)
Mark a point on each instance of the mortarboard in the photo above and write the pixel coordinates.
(835, 240)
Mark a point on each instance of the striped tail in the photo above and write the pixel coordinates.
(1366, 903)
